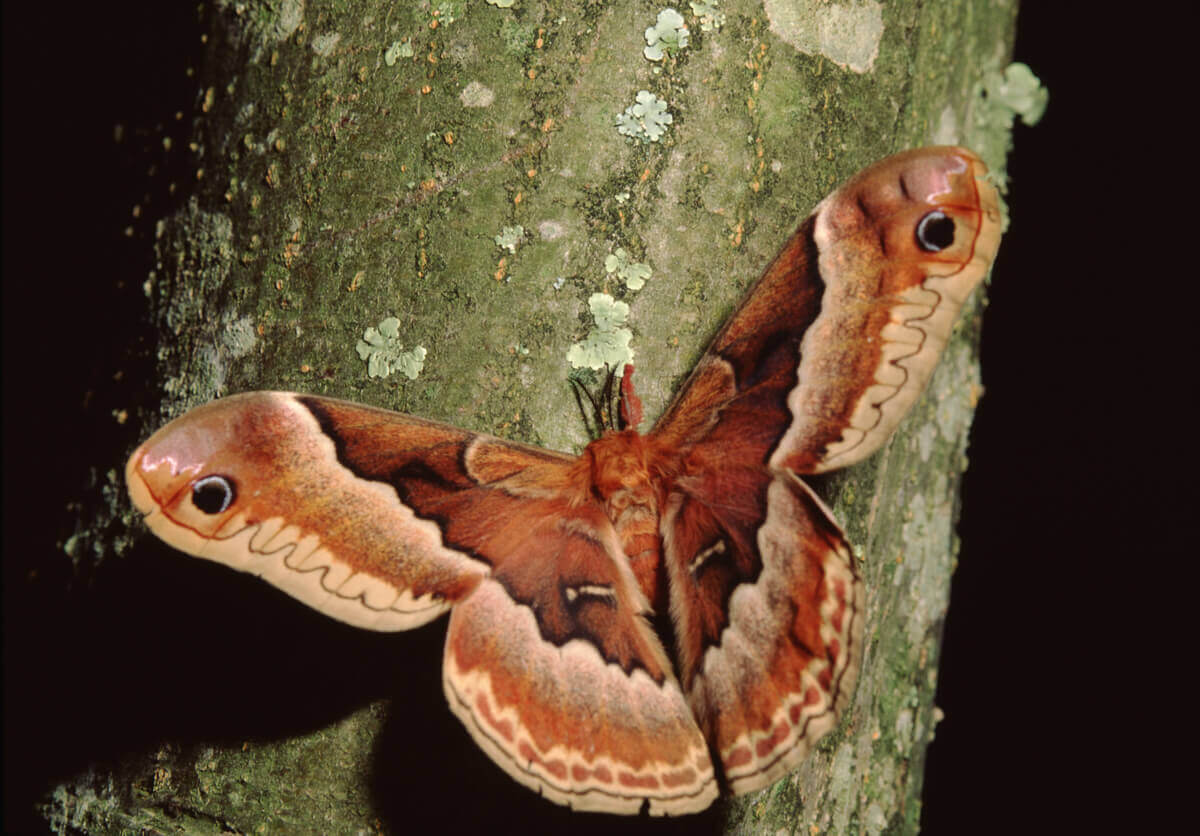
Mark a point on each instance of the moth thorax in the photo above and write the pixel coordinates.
(620, 477)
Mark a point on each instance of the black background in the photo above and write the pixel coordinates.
(1040, 679)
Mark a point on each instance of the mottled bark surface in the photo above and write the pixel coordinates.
(356, 161)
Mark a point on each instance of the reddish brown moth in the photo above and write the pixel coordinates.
(552, 565)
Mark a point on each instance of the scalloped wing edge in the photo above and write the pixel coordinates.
(596, 781)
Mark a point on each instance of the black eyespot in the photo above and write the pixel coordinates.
(935, 231)
(213, 494)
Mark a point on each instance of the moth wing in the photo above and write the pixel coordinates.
(768, 615)
(812, 372)
(551, 665)
(302, 509)
(840, 335)
(384, 521)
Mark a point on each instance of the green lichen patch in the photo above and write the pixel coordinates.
(1015, 93)
(667, 36)
(399, 49)
(646, 119)
(384, 353)
(997, 101)
(711, 18)
(607, 343)
(446, 12)
(633, 273)
(510, 238)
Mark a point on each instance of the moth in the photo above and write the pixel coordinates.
(554, 567)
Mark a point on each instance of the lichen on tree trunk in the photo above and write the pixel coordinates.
(356, 161)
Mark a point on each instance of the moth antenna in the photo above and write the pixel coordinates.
(594, 426)
(609, 421)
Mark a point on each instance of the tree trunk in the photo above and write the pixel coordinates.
(356, 161)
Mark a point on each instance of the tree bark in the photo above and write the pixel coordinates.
(356, 161)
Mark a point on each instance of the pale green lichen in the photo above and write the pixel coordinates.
(1016, 92)
(667, 36)
(999, 99)
(476, 94)
(384, 354)
(647, 119)
(502, 4)
(633, 273)
(325, 44)
(447, 11)
(711, 18)
(607, 344)
(398, 50)
(510, 238)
